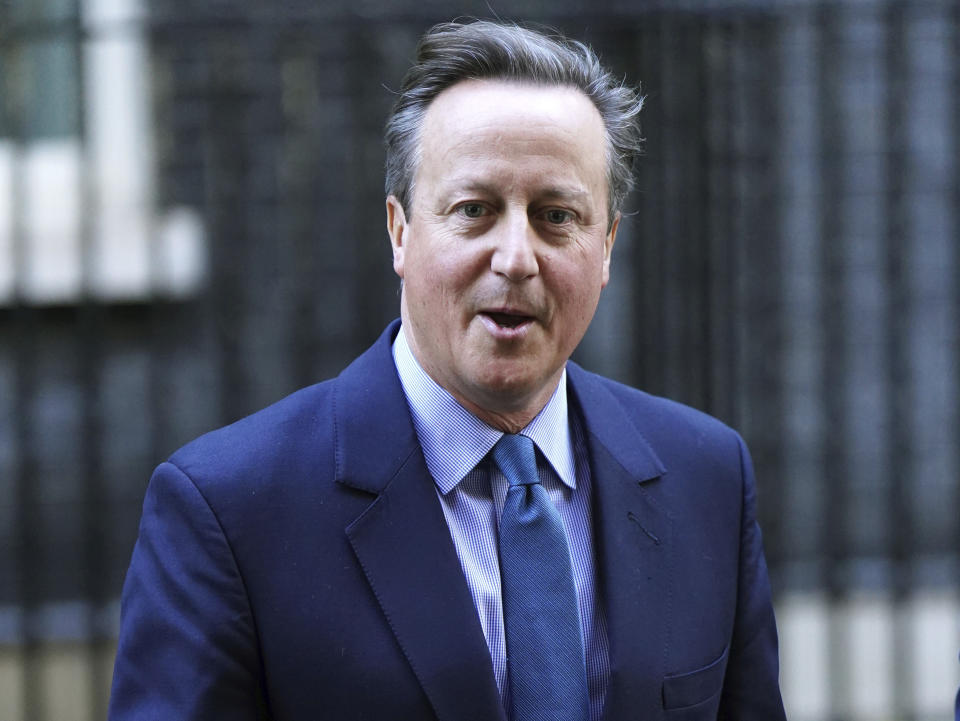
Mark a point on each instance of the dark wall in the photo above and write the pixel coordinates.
(788, 263)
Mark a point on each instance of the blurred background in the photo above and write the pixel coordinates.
(192, 226)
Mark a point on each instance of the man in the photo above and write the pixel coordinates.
(463, 524)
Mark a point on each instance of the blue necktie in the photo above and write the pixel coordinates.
(545, 657)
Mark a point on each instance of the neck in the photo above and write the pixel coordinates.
(509, 413)
(507, 421)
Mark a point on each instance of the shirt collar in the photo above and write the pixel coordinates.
(454, 440)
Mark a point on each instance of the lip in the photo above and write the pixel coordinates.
(504, 332)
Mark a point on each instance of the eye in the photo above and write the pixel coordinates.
(472, 210)
(556, 216)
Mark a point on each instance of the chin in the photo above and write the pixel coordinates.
(509, 391)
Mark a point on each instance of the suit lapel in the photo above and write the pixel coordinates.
(403, 544)
(633, 534)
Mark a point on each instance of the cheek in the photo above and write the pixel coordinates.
(576, 297)
(576, 281)
(439, 283)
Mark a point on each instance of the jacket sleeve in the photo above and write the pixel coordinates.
(751, 690)
(187, 647)
(956, 712)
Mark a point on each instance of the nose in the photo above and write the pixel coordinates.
(514, 254)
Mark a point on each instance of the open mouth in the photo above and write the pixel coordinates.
(508, 320)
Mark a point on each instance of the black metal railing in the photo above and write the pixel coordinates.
(789, 264)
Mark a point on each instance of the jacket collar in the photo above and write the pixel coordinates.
(609, 426)
(402, 542)
(374, 434)
(372, 413)
(633, 541)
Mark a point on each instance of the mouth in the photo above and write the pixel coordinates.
(507, 320)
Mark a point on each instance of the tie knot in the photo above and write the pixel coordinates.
(517, 459)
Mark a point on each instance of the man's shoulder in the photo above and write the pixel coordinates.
(294, 427)
(297, 435)
(671, 430)
(644, 408)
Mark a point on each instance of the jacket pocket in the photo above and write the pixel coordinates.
(689, 689)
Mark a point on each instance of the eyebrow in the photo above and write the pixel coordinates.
(559, 192)
(566, 193)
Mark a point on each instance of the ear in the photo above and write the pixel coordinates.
(608, 248)
(397, 228)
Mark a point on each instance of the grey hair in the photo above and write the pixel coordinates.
(451, 52)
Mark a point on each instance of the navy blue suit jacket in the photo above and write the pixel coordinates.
(296, 565)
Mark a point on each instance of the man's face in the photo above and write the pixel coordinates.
(506, 246)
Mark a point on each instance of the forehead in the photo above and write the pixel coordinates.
(511, 124)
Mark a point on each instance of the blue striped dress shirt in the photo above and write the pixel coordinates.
(472, 491)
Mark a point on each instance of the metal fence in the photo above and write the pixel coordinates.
(191, 226)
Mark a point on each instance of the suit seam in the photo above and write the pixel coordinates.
(336, 433)
(740, 526)
(627, 411)
(671, 585)
(376, 590)
(701, 702)
(389, 617)
(741, 642)
(233, 559)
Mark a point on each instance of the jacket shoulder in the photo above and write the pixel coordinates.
(679, 435)
(649, 411)
(293, 431)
